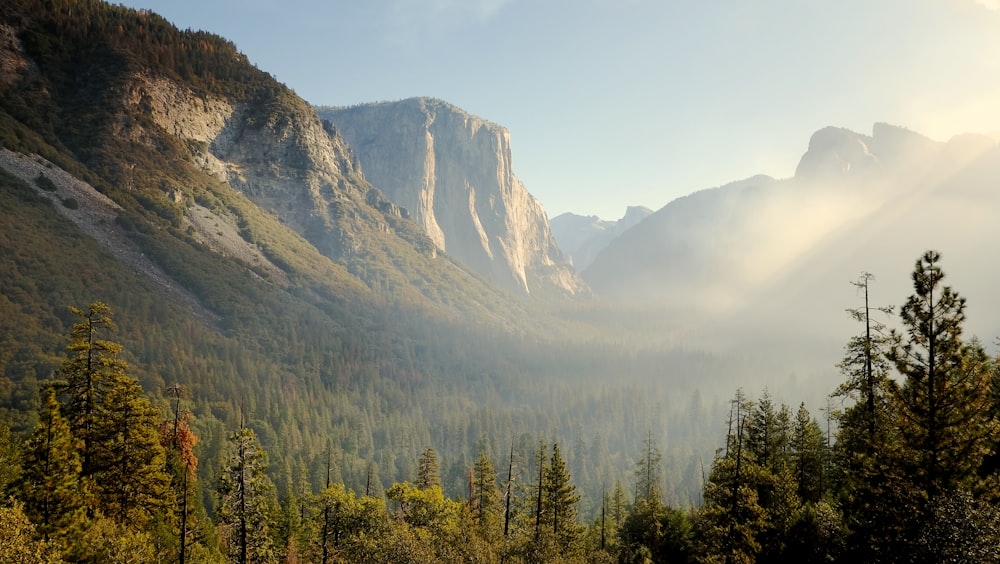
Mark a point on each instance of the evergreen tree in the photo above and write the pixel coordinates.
(731, 520)
(870, 480)
(946, 416)
(808, 456)
(89, 373)
(128, 460)
(247, 501)
(649, 473)
(487, 508)
(559, 501)
(50, 485)
(179, 441)
(767, 437)
(428, 470)
(868, 383)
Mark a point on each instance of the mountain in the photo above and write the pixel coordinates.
(250, 262)
(762, 265)
(583, 237)
(454, 173)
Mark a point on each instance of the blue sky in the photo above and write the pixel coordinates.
(613, 103)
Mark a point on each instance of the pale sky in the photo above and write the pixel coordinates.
(613, 103)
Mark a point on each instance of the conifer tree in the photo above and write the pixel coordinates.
(428, 470)
(50, 485)
(248, 503)
(559, 501)
(179, 441)
(128, 460)
(87, 375)
(649, 473)
(732, 520)
(486, 505)
(947, 421)
(870, 479)
(808, 456)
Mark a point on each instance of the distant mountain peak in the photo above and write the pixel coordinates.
(836, 151)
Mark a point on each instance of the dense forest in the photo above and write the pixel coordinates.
(385, 407)
(909, 476)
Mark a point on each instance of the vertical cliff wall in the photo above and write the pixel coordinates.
(453, 172)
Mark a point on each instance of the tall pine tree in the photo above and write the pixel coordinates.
(50, 484)
(248, 503)
(87, 375)
(946, 414)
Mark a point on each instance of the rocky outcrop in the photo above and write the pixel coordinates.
(453, 172)
(277, 151)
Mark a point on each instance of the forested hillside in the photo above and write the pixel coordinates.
(369, 356)
(909, 475)
(219, 342)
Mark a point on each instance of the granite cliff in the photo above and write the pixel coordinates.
(453, 172)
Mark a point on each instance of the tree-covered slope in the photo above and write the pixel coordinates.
(246, 258)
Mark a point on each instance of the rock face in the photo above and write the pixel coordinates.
(453, 172)
(583, 237)
(277, 152)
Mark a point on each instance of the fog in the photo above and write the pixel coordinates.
(762, 268)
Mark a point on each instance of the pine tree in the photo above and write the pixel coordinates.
(732, 520)
(88, 375)
(179, 441)
(128, 460)
(947, 419)
(649, 474)
(50, 485)
(808, 456)
(768, 434)
(559, 501)
(248, 503)
(868, 382)
(428, 470)
(487, 508)
(870, 479)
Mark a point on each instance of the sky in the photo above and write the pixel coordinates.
(612, 103)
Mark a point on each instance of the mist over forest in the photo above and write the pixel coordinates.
(235, 327)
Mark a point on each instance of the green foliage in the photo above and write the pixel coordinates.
(88, 376)
(50, 485)
(108, 541)
(248, 503)
(428, 471)
(10, 459)
(129, 476)
(948, 423)
(559, 500)
(961, 529)
(17, 539)
(486, 503)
